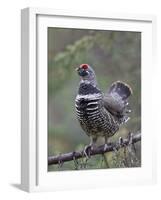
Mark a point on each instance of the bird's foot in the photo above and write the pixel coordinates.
(105, 147)
(87, 150)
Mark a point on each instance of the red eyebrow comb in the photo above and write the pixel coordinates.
(84, 66)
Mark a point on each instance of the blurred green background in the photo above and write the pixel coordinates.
(114, 55)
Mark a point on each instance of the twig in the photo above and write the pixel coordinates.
(52, 160)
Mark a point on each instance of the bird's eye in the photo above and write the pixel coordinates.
(84, 66)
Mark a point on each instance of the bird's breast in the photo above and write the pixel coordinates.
(86, 108)
(93, 117)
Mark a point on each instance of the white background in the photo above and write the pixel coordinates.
(10, 98)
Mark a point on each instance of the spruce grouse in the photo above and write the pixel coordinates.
(100, 114)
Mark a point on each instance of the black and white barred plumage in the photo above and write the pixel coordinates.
(100, 114)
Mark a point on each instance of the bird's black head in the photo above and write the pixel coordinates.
(86, 72)
(88, 83)
(83, 70)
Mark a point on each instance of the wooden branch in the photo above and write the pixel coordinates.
(58, 159)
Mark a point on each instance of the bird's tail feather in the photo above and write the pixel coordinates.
(121, 89)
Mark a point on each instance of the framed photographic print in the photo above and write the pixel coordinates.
(86, 110)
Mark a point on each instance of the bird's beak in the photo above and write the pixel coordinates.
(76, 69)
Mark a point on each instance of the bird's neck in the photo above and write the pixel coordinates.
(86, 88)
(89, 80)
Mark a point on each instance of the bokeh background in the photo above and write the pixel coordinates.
(114, 55)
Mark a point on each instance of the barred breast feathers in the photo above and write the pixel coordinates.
(94, 96)
(87, 105)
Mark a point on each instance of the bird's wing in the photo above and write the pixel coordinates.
(113, 104)
(115, 99)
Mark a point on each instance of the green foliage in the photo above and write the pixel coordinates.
(115, 55)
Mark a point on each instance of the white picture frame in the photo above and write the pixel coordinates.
(34, 175)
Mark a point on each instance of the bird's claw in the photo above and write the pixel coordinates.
(105, 147)
(87, 151)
